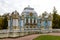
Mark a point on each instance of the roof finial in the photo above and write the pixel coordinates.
(54, 10)
(28, 5)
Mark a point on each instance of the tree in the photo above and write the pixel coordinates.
(1, 22)
(5, 24)
(56, 18)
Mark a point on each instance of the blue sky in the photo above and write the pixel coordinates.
(39, 5)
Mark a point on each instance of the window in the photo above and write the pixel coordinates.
(27, 20)
(15, 22)
(34, 20)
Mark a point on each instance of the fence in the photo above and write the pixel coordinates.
(5, 33)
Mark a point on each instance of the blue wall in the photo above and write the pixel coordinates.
(11, 23)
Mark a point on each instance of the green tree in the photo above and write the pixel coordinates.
(1, 23)
(56, 18)
(5, 24)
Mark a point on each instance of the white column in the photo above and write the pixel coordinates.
(8, 23)
(36, 20)
(25, 20)
(29, 20)
(50, 23)
(32, 21)
(22, 24)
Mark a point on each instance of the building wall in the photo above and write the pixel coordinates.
(38, 23)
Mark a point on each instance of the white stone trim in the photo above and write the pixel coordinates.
(9, 23)
(15, 22)
(36, 20)
(50, 23)
(32, 21)
(29, 20)
(25, 20)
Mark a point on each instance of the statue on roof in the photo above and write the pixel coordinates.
(54, 10)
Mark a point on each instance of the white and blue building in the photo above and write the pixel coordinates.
(29, 22)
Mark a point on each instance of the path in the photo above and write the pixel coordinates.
(30, 37)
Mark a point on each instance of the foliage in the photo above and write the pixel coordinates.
(5, 24)
(56, 20)
(47, 37)
(1, 22)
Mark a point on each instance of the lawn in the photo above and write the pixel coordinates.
(47, 37)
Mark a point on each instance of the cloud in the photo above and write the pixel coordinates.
(39, 5)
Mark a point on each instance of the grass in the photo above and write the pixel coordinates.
(47, 37)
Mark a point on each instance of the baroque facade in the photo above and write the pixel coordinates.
(29, 22)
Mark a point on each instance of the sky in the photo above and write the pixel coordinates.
(8, 6)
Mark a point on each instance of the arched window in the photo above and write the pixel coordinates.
(26, 20)
(31, 21)
(34, 21)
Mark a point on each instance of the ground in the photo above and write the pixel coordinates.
(47, 37)
(31, 37)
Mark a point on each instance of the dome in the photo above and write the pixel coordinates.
(28, 10)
